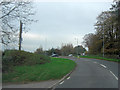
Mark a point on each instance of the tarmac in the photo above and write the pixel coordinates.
(42, 84)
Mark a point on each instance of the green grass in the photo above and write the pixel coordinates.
(56, 69)
(97, 57)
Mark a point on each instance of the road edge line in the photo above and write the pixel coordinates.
(52, 87)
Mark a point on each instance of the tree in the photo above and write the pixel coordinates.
(93, 42)
(88, 40)
(116, 10)
(107, 32)
(107, 23)
(78, 50)
(67, 49)
(40, 51)
(12, 13)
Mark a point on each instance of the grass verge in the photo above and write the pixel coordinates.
(56, 69)
(96, 57)
(12, 58)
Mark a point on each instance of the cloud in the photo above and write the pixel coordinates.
(33, 36)
(32, 41)
(58, 21)
(73, 0)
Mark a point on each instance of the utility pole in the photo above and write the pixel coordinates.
(118, 9)
(103, 40)
(20, 35)
(77, 47)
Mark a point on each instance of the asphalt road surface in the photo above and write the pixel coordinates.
(92, 73)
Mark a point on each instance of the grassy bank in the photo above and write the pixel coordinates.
(56, 69)
(102, 58)
(12, 58)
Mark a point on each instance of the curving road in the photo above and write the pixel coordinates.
(92, 73)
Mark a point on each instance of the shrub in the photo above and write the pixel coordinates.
(13, 58)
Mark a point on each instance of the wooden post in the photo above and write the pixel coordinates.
(20, 35)
(118, 6)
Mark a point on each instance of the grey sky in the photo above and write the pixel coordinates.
(62, 22)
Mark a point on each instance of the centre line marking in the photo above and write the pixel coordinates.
(68, 78)
(62, 82)
(103, 65)
(114, 75)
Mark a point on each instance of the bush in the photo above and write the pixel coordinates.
(13, 58)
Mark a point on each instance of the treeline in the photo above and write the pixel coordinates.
(65, 50)
(106, 39)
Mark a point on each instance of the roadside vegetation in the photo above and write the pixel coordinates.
(106, 38)
(64, 50)
(101, 58)
(12, 58)
(38, 68)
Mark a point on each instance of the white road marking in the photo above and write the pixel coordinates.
(103, 65)
(68, 78)
(113, 74)
(110, 71)
(62, 82)
(95, 62)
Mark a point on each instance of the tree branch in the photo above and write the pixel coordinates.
(8, 12)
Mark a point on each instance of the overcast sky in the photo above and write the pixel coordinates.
(62, 22)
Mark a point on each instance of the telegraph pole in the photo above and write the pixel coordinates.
(77, 47)
(20, 35)
(103, 40)
(118, 9)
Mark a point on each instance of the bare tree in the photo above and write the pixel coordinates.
(12, 13)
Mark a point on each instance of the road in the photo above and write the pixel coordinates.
(92, 73)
